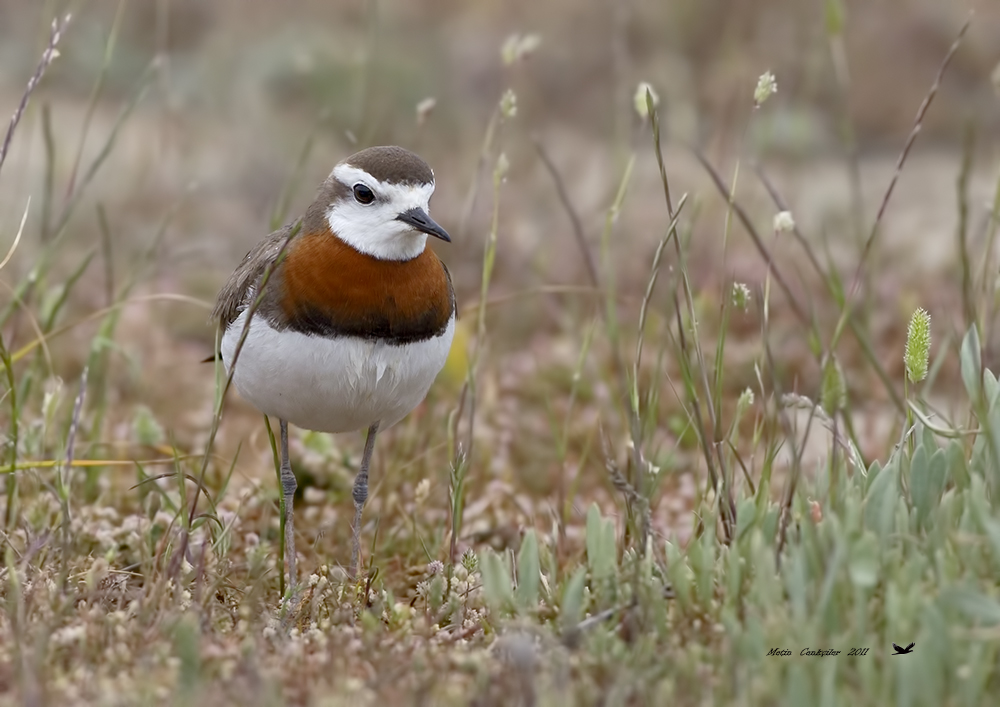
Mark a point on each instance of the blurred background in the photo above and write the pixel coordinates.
(238, 108)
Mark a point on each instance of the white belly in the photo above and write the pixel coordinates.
(332, 385)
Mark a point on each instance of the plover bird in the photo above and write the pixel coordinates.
(355, 321)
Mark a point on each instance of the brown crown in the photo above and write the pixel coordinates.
(392, 165)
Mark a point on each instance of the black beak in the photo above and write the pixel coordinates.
(419, 219)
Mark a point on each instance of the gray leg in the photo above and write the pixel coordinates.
(288, 486)
(360, 496)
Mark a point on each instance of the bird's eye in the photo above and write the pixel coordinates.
(363, 194)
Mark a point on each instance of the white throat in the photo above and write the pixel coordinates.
(373, 228)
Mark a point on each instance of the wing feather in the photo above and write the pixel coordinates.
(236, 294)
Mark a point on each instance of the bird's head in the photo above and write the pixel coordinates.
(377, 201)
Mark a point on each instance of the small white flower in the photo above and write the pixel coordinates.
(518, 47)
(424, 109)
(503, 164)
(744, 402)
(508, 104)
(766, 86)
(422, 490)
(783, 222)
(741, 295)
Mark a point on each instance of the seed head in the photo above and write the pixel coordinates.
(744, 402)
(641, 106)
(518, 47)
(503, 164)
(508, 104)
(766, 86)
(783, 222)
(741, 295)
(470, 561)
(834, 391)
(918, 346)
(424, 109)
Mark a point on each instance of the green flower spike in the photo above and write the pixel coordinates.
(918, 346)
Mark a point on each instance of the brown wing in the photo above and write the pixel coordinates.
(235, 295)
(451, 290)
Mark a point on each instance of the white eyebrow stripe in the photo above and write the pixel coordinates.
(405, 195)
(375, 228)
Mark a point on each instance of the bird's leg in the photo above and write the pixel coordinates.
(288, 486)
(360, 496)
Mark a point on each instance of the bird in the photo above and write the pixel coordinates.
(356, 316)
(903, 651)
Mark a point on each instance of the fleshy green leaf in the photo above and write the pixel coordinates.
(880, 502)
(677, 573)
(971, 363)
(864, 562)
(572, 600)
(927, 480)
(956, 464)
(601, 553)
(496, 581)
(974, 605)
(528, 572)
